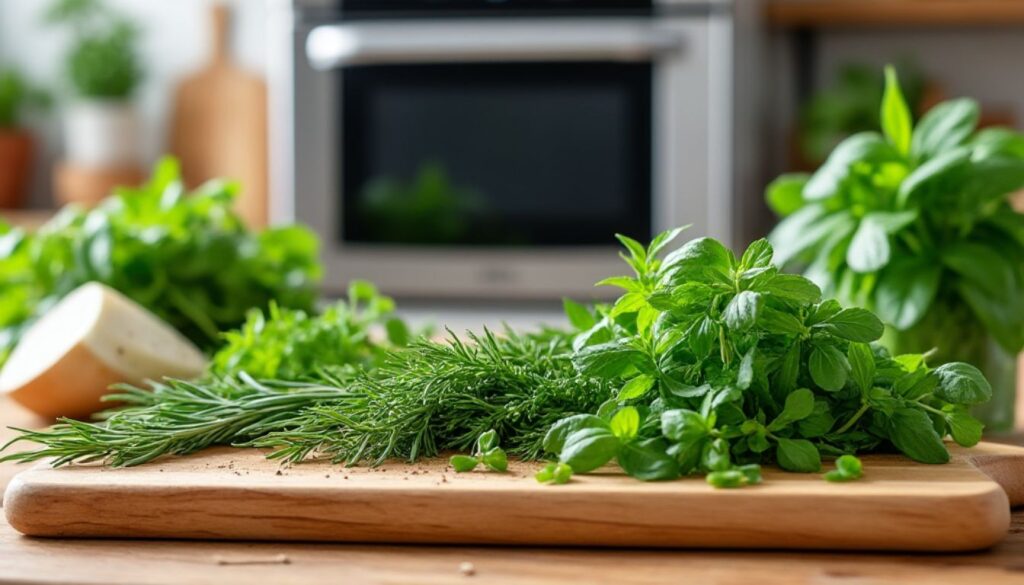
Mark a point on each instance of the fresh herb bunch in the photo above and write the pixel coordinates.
(422, 400)
(915, 223)
(724, 362)
(102, 62)
(291, 344)
(185, 256)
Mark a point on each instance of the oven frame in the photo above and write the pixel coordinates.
(692, 174)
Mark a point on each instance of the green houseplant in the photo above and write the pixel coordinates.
(916, 224)
(103, 70)
(16, 143)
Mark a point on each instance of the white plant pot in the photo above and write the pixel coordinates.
(102, 133)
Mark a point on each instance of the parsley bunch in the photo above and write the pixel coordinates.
(723, 362)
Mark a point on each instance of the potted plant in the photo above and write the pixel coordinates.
(916, 224)
(16, 143)
(101, 121)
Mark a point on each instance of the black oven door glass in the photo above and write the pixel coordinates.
(491, 154)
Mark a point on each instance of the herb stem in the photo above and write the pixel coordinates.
(853, 420)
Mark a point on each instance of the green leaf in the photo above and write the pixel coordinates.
(730, 478)
(965, 429)
(663, 239)
(608, 360)
(463, 463)
(776, 321)
(906, 290)
(785, 194)
(628, 303)
(636, 387)
(828, 368)
(789, 370)
(798, 455)
(855, 324)
(792, 287)
(757, 255)
(487, 441)
(806, 229)
(624, 282)
(862, 365)
(626, 423)
(703, 336)
(715, 456)
(848, 468)
(944, 127)
(683, 426)
(962, 383)
(495, 459)
(982, 265)
(912, 432)
(799, 405)
(636, 249)
(869, 250)
(554, 440)
(818, 423)
(397, 332)
(745, 374)
(895, 113)
(864, 147)
(698, 260)
(648, 460)
(932, 175)
(587, 449)
(742, 311)
(579, 316)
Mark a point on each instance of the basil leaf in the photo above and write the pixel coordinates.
(945, 126)
(587, 449)
(636, 387)
(607, 360)
(648, 460)
(869, 250)
(792, 287)
(895, 113)
(554, 440)
(683, 426)
(742, 311)
(818, 423)
(859, 148)
(463, 463)
(757, 255)
(965, 429)
(855, 324)
(962, 383)
(862, 365)
(785, 194)
(715, 456)
(828, 368)
(906, 289)
(579, 316)
(799, 405)
(799, 455)
(912, 432)
(698, 258)
(626, 423)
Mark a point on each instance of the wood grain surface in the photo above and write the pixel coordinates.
(232, 494)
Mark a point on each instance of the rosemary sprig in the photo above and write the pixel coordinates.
(423, 400)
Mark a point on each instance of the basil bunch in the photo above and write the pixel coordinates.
(186, 256)
(914, 220)
(724, 363)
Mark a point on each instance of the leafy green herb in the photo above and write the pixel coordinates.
(916, 224)
(724, 363)
(848, 468)
(556, 473)
(486, 453)
(186, 257)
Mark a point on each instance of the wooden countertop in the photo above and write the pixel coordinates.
(116, 561)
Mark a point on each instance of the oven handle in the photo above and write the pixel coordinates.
(337, 45)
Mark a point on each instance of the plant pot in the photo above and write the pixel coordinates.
(957, 336)
(102, 134)
(16, 151)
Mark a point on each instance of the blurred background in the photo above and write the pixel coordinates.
(473, 154)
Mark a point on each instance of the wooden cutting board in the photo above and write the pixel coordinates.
(219, 125)
(232, 494)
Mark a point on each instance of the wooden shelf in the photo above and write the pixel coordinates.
(28, 219)
(892, 13)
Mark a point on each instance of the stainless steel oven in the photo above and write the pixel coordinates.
(481, 148)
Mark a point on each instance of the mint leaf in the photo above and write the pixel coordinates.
(855, 324)
(912, 432)
(799, 455)
(828, 368)
(961, 383)
(742, 311)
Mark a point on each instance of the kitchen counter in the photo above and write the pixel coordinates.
(118, 561)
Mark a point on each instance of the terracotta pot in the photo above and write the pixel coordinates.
(16, 150)
(90, 185)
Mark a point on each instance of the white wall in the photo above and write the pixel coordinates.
(175, 40)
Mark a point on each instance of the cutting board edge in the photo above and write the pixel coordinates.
(29, 509)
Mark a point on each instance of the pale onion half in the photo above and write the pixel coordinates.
(93, 338)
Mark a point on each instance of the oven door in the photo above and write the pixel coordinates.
(497, 158)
